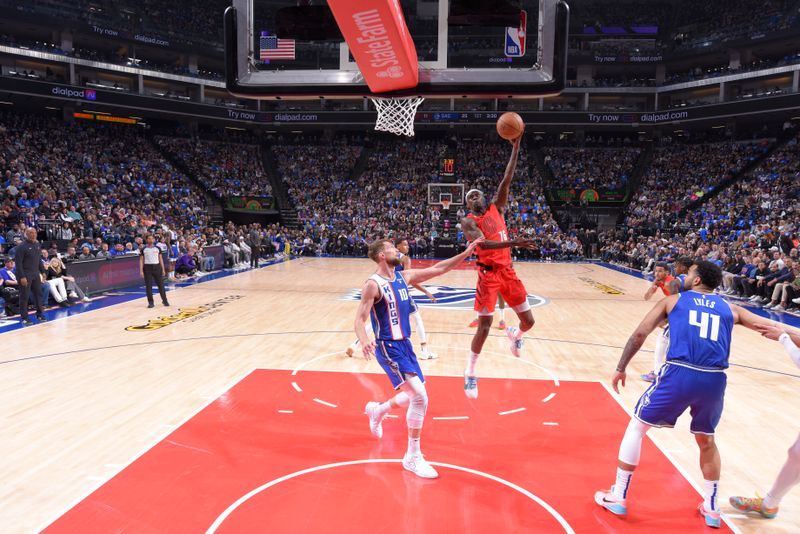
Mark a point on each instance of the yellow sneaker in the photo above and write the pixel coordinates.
(753, 504)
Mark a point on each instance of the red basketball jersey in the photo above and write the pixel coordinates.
(494, 228)
(664, 285)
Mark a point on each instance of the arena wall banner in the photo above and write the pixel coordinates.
(218, 253)
(94, 276)
(114, 33)
(137, 103)
(250, 203)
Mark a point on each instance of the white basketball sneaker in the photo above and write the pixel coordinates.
(470, 386)
(516, 344)
(426, 354)
(417, 464)
(375, 419)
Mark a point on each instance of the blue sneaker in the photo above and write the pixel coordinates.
(607, 500)
(649, 377)
(711, 518)
(470, 386)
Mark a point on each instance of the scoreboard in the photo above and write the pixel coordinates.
(448, 167)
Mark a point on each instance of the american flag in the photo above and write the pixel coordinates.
(273, 48)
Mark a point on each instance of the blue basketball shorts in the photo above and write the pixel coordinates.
(398, 360)
(677, 388)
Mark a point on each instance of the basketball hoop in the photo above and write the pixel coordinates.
(396, 115)
(446, 204)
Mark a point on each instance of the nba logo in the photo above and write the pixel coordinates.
(90, 94)
(515, 37)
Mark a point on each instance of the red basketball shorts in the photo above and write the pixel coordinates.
(503, 281)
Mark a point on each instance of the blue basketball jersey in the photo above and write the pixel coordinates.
(682, 283)
(390, 313)
(700, 327)
(399, 266)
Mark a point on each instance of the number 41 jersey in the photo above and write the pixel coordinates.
(390, 314)
(700, 328)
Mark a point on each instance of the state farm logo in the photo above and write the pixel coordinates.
(391, 72)
(377, 44)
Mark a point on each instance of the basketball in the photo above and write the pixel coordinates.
(510, 125)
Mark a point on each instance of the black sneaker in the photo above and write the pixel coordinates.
(41, 318)
(27, 322)
(166, 303)
(151, 305)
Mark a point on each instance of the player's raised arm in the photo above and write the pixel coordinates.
(789, 340)
(635, 342)
(369, 294)
(417, 276)
(748, 319)
(651, 291)
(501, 196)
(472, 232)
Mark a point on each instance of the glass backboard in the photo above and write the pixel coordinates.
(277, 48)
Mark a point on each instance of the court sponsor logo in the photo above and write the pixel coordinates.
(607, 289)
(184, 314)
(447, 298)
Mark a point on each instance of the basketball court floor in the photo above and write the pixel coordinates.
(236, 410)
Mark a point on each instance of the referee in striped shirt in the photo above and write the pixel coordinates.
(151, 267)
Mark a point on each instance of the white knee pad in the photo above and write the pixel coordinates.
(630, 450)
(401, 399)
(418, 402)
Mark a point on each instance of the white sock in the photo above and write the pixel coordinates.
(471, 361)
(502, 314)
(712, 492)
(623, 483)
(354, 345)
(516, 333)
(423, 339)
(659, 355)
(413, 446)
(384, 408)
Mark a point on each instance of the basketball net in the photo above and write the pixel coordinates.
(446, 204)
(396, 115)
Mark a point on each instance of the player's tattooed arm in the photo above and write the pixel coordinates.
(675, 286)
(501, 196)
(472, 232)
(635, 342)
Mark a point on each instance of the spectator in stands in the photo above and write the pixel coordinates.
(185, 265)
(10, 290)
(55, 277)
(245, 250)
(86, 253)
(73, 289)
(103, 253)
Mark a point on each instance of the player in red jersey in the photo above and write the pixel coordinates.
(496, 275)
(663, 281)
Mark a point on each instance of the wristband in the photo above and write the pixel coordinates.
(620, 370)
